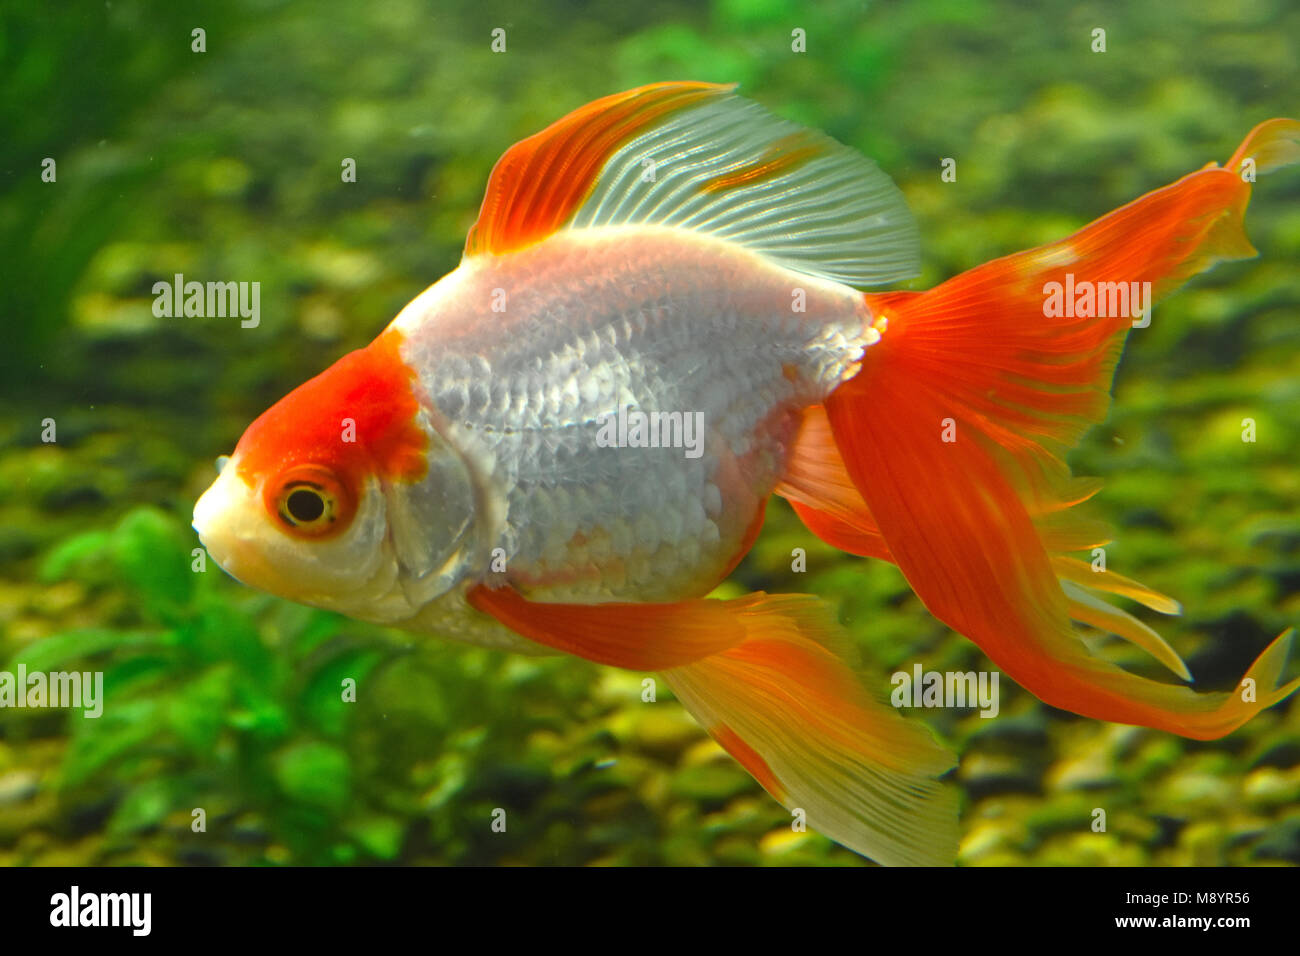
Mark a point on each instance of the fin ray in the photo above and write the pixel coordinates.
(1018, 383)
(864, 776)
(822, 494)
(767, 676)
(695, 156)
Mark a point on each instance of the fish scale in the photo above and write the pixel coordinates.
(659, 320)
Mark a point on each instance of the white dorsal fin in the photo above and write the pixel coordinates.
(698, 157)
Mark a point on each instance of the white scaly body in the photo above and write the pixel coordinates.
(651, 318)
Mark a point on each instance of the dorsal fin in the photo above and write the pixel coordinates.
(695, 156)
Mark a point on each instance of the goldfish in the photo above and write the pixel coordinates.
(662, 318)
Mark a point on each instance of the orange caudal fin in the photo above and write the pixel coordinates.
(954, 433)
(767, 676)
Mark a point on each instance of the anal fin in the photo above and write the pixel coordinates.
(819, 489)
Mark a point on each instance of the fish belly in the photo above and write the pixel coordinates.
(626, 398)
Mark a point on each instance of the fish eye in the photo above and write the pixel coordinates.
(305, 504)
(310, 501)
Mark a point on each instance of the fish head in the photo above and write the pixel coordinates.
(344, 496)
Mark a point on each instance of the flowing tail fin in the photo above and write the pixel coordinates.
(955, 428)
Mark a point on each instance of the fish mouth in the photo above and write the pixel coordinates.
(220, 516)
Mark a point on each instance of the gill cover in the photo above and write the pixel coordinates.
(343, 495)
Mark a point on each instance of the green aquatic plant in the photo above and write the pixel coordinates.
(306, 738)
(200, 714)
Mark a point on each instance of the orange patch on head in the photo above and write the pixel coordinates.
(748, 758)
(787, 153)
(356, 418)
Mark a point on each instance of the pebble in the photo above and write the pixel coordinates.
(1281, 842)
(1091, 771)
(985, 774)
(990, 837)
(18, 786)
(1196, 792)
(711, 782)
(1270, 787)
(782, 840)
(660, 729)
(1203, 842)
(58, 598)
(1090, 849)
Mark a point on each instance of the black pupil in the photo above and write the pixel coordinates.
(305, 505)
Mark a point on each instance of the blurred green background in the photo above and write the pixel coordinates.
(226, 165)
